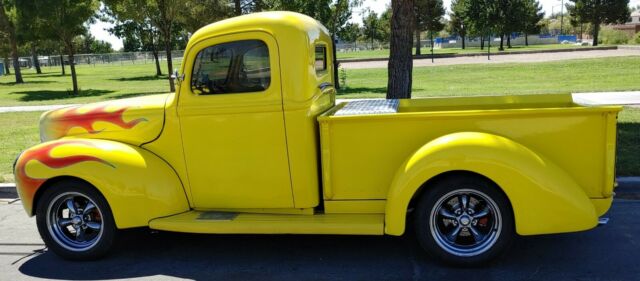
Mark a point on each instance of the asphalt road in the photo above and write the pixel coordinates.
(606, 253)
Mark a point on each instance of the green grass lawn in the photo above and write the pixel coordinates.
(384, 53)
(21, 131)
(587, 75)
(99, 82)
(104, 82)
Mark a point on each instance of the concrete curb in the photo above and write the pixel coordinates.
(629, 47)
(451, 55)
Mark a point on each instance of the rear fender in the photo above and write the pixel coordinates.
(137, 184)
(544, 198)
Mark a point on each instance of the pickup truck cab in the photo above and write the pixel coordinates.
(252, 141)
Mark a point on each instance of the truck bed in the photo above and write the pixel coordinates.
(364, 142)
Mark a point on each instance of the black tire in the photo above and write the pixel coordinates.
(85, 233)
(441, 212)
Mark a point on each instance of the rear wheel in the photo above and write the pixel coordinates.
(464, 220)
(75, 221)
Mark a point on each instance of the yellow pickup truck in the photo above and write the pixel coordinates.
(252, 141)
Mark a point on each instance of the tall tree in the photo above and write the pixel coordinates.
(167, 13)
(350, 32)
(533, 14)
(480, 18)
(162, 14)
(400, 59)
(429, 17)
(8, 26)
(371, 26)
(66, 18)
(599, 12)
(195, 14)
(507, 15)
(457, 20)
(139, 36)
(5, 52)
(31, 29)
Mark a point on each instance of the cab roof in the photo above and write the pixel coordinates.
(278, 24)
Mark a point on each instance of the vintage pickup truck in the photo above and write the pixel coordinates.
(252, 141)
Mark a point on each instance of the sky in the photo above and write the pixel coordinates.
(378, 6)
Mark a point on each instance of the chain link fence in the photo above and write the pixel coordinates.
(100, 59)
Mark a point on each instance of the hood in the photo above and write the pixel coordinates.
(133, 120)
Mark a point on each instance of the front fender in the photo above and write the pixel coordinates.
(137, 184)
(544, 198)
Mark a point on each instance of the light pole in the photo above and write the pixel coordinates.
(561, 15)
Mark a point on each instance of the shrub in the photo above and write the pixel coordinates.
(613, 37)
(635, 39)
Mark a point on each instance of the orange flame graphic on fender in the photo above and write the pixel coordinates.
(73, 118)
(42, 154)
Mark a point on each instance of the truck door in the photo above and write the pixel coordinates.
(231, 115)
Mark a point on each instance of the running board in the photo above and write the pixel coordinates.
(237, 223)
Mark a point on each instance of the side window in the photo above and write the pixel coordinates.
(321, 58)
(235, 67)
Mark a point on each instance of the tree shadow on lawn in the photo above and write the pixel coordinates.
(26, 82)
(361, 90)
(141, 78)
(132, 95)
(50, 74)
(45, 95)
(367, 90)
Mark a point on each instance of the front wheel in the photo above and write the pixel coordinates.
(75, 221)
(464, 220)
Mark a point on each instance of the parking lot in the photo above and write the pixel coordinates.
(605, 253)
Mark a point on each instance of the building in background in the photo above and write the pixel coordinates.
(632, 27)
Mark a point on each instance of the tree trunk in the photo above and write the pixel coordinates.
(400, 60)
(34, 56)
(463, 45)
(431, 39)
(167, 49)
(481, 43)
(16, 59)
(501, 42)
(238, 7)
(62, 65)
(155, 57)
(596, 29)
(74, 77)
(417, 42)
(509, 41)
(526, 39)
(7, 69)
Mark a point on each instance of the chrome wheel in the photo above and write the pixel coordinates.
(465, 222)
(74, 221)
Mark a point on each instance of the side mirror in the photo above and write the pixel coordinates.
(177, 76)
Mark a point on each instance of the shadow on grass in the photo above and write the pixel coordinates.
(26, 82)
(132, 95)
(50, 74)
(45, 95)
(627, 163)
(357, 91)
(141, 78)
(361, 90)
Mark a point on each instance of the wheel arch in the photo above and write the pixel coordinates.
(137, 184)
(50, 182)
(524, 176)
